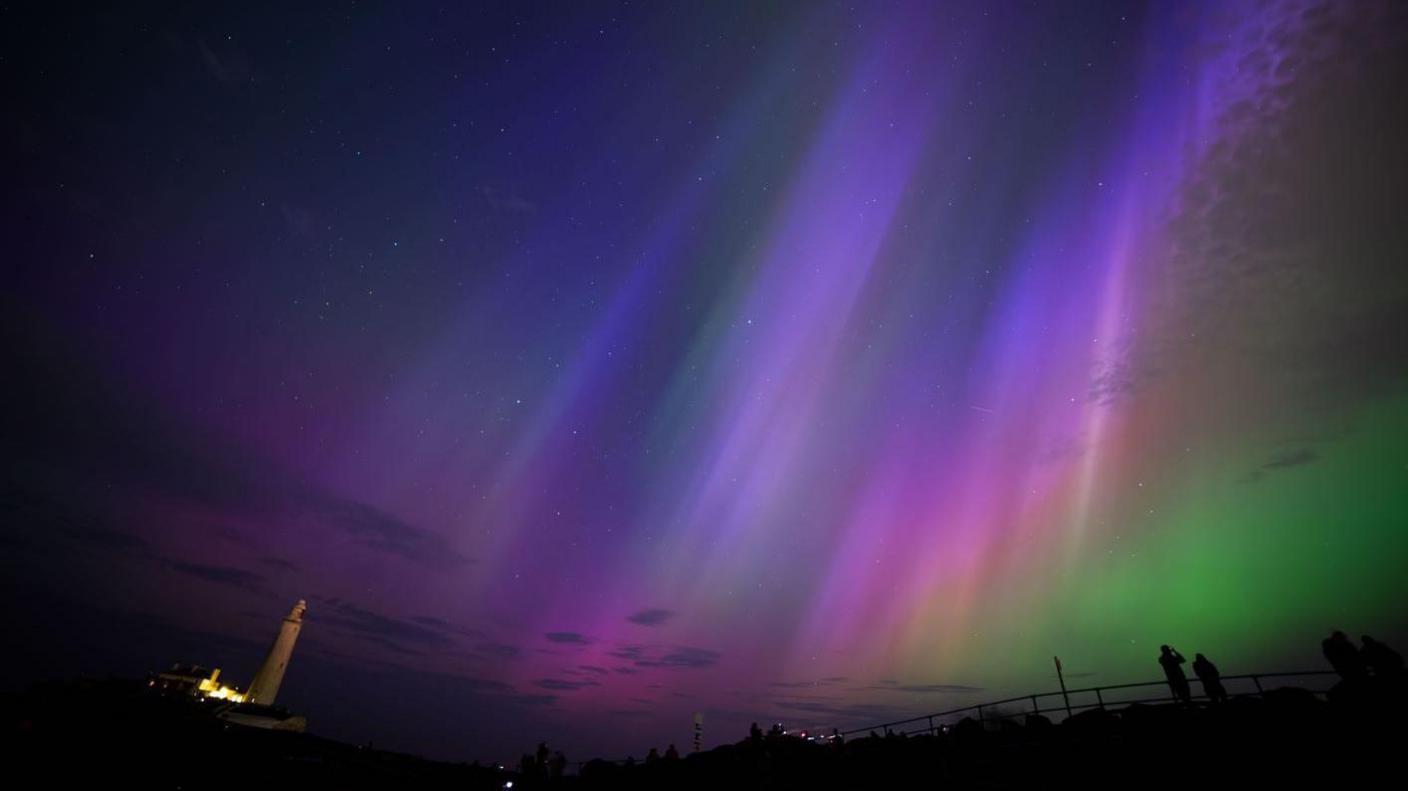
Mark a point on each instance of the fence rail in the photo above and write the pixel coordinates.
(1068, 702)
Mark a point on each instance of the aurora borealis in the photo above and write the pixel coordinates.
(589, 365)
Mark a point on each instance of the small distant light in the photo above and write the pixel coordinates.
(508, 784)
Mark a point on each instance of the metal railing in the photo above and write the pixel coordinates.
(1068, 702)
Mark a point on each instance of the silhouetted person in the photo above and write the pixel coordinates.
(1343, 656)
(1172, 662)
(672, 754)
(1382, 660)
(1212, 680)
(652, 757)
(755, 733)
(775, 731)
(558, 766)
(543, 754)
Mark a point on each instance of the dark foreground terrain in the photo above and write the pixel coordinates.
(111, 734)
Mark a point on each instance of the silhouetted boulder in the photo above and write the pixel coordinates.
(968, 730)
(1038, 722)
(1287, 700)
(1091, 720)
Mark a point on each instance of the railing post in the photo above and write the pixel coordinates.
(1061, 676)
(1100, 698)
(1035, 708)
(931, 725)
(1257, 680)
(980, 715)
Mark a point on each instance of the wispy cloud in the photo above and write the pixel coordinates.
(680, 657)
(559, 684)
(379, 531)
(1292, 458)
(125, 446)
(405, 635)
(894, 686)
(498, 650)
(567, 638)
(278, 564)
(832, 680)
(651, 617)
(221, 575)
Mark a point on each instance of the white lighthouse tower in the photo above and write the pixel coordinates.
(265, 686)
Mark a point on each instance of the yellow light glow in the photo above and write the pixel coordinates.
(209, 689)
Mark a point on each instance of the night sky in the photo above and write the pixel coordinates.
(588, 365)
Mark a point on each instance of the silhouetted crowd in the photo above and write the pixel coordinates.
(1355, 665)
(1374, 660)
